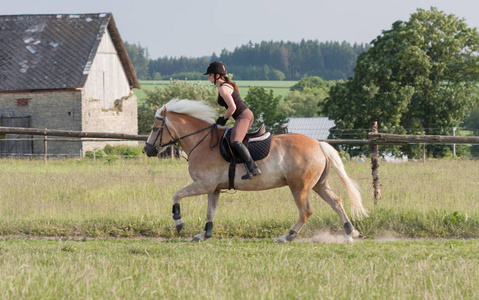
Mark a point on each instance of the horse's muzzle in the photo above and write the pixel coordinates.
(150, 151)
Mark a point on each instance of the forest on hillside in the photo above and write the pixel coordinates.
(260, 61)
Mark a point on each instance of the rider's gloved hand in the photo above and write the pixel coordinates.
(221, 121)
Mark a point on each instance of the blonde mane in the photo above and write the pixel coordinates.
(194, 108)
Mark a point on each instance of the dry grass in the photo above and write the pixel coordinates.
(133, 198)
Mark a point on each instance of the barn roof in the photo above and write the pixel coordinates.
(49, 52)
(317, 128)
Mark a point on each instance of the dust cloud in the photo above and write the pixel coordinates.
(326, 237)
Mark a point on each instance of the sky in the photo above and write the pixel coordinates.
(195, 28)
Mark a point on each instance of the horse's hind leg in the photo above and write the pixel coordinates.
(302, 202)
(325, 192)
(210, 215)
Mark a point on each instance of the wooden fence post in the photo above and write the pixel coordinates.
(454, 145)
(424, 152)
(45, 149)
(375, 165)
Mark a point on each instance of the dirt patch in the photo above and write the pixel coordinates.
(325, 237)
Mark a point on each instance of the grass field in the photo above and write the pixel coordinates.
(280, 88)
(62, 225)
(237, 269)
(129, 198)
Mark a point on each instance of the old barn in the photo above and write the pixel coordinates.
(64, 71)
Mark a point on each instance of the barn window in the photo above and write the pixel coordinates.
(23, 101)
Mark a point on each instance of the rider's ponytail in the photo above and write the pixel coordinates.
(228, 81)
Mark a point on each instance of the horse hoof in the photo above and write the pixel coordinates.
(355, 234)
(199, 237)
(349, 238)
(282, 239)
(179, 225)
(292, 235)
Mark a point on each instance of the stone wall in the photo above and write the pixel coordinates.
(52, 110)
(122, 119)
(68, 110)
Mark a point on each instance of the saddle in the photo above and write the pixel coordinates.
(257, 142)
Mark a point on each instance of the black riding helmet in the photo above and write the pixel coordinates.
(216, 67)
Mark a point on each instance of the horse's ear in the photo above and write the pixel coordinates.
(157, 107)
(163, 111)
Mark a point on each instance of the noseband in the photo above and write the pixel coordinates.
(174, 141)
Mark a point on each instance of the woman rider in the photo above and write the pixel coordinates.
(229, 97)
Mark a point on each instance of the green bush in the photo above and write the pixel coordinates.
(97, 153)
(123, 150)
(120, 150)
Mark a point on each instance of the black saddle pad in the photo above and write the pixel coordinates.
(258, 149)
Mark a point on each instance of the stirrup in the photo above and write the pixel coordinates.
(247, 176)
(250, 173)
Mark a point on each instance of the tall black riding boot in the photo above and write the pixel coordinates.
(251, 167)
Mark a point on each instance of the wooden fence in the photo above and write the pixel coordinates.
(374, 140)
(70, 133)
(398, 139)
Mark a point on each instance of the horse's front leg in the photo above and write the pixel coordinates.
(194, 189)
(210, 215)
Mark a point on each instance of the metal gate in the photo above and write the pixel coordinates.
(16, 147)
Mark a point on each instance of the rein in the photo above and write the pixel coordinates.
(214, 128)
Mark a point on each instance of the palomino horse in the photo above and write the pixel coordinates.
(295, 160)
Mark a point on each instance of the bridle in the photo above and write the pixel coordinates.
(213, 128)
(160, 135)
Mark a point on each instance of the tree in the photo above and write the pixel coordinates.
(139, 58)
(313, 85)
(309, 92)
(472, 121)
(472, 124)
(417, 78)
(269, 61)
(276, 75)
(300, 105)
(265, 107)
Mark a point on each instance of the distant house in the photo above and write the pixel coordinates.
(65, 71)
(317, 128)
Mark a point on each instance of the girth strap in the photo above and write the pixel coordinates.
(231, 175)
(231, 169)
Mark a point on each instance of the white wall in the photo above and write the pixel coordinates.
(107, 80)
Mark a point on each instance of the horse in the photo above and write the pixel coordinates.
(295, 160)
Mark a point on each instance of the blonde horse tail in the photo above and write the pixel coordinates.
(333, 158)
